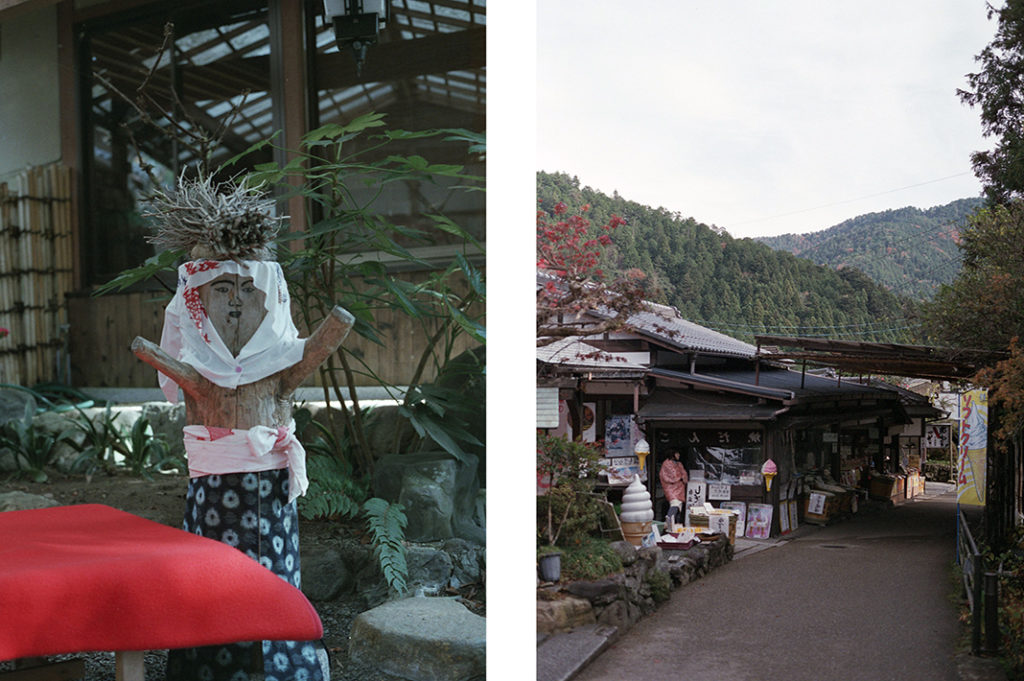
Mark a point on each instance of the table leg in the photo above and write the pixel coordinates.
(130, 665)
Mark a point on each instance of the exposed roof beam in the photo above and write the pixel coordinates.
(9, 9)
(458, 51)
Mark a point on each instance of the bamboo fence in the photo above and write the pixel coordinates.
(36, 272)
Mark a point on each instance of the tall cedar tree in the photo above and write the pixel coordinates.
(996, 90)
(984, 307)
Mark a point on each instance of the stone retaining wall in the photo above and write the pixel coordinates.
(648, 579)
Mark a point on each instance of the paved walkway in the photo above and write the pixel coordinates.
(865, 599)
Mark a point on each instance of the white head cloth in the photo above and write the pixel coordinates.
(190, 336)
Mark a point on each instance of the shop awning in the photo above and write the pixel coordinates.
(666, 404)
(860, 357)
(783, 385)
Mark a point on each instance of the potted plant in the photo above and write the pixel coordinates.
(549, 563)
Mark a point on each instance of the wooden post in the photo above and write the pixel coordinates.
(129, 665)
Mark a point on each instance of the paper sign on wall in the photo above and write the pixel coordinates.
(719, 522)
(696, 493)
(741, 514)
(719, 491)
(816, 504)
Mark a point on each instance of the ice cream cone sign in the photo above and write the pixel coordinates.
(642, 449)
(769, 470)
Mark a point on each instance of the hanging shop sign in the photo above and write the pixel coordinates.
(936, 436)
(731, 457)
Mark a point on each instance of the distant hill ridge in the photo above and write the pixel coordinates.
(738, 286)
(910, 251)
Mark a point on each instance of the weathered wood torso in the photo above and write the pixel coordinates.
(254, 404)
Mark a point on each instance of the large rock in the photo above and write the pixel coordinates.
(563, 614)
(620, 614)
(421, 639)
(324, 575)
(168, 422)
(430, 569)
(600, 591)
(22, 501)
(385, 428)
(368, 583)
(425, 485)
(440, 494)
(469, 562)
(16, 405)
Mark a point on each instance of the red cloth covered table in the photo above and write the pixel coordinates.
(90, 577)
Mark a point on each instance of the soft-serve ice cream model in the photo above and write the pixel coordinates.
(769, 470)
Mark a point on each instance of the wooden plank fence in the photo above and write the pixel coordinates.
(102, 330)
(36, 272)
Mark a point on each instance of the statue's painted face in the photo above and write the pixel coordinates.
(235, 307)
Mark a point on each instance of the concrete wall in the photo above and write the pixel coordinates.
(29, 100)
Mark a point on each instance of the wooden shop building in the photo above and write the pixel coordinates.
(74, 147)
(728, 407)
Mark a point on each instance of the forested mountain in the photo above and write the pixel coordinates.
(909, 251)
(737, 286)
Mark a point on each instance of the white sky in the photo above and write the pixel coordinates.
(762, 117)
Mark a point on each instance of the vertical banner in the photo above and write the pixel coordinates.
(970, 479)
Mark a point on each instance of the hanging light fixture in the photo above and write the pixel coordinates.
(357, 24)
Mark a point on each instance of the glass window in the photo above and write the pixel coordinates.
(176, 69)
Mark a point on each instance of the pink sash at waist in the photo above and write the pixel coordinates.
(218, 451)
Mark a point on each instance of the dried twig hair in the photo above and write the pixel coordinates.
(226, 221)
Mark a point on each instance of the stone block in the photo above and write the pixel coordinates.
(421, 639)
(563, 614)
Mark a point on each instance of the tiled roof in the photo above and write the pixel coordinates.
(664, 324)
(573, 352)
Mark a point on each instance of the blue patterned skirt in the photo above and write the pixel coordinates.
(251, 512)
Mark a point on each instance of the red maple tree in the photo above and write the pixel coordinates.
(574, 297)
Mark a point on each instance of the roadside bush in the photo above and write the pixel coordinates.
(1011, 609)
(1010, 567)
(567, 513)
(660, 584)
(590, 559)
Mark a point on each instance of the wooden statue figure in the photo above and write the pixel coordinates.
(673, 478)
(230, 344)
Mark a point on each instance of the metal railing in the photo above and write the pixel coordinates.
(981, 588)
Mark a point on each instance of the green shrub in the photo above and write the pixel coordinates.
(590, 559)
(660, 584)
(1011, 602)
(1011, 616)
(32, 449)
(568, 513)
(575, 516)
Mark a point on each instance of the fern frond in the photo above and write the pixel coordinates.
(333, 492)
(386, 523)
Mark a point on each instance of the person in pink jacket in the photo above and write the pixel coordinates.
(673, 481)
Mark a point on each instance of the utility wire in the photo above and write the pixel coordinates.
(845, 201)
